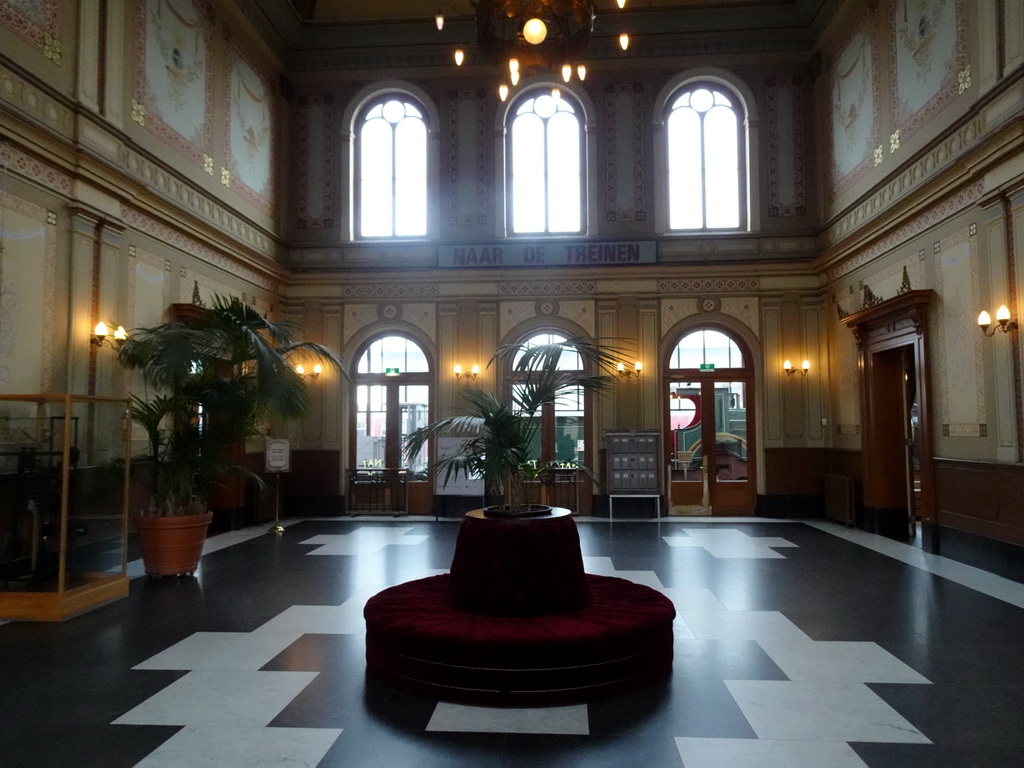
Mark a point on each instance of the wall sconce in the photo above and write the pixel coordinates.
(627, 373)
(472, 374)
(1002, 317)
(805, 366)
(102, 331)
(314, 374)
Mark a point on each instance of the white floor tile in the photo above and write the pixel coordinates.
(602, 566)
(693, 599)
(730, 543)
(990, 584)
(571, 720)
(840, 661)
(742, 625)
(363, 541)
(759, 753)
(219, 698)
(814, 711)
(201, 747)
(222, 650)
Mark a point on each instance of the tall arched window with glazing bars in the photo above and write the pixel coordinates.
(392, 161)
(545, 147)
(706, 181)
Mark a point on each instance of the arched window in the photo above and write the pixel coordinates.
(391, 138)
(703, 131)
(392, 382)
(561, 425)
(709, 420)
(545, 155)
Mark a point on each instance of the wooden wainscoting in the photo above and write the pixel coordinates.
(980, 497)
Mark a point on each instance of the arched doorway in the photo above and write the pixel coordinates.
(392, 383)
(709, 418)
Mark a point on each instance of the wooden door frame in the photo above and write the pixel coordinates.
(886, 326)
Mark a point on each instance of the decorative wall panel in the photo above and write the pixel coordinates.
(928, 50)
(174, 75)
(786, 194)
(250, 131)
(28, 262)
(37, 22)
(958, 351)
(624, 170)
(468, 192)
(854, 89)
(315, 138)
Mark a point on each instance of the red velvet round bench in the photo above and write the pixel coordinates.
(421, 638)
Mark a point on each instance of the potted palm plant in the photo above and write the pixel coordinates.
(501, 433)
(214, 377)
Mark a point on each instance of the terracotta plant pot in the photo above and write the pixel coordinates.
(172, 545)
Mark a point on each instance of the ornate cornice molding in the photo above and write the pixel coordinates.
(548, 288)
(710, 285)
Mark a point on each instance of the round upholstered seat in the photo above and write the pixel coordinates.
(621, 641)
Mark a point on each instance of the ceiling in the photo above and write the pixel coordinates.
(374, 11)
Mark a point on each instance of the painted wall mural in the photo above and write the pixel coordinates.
(854, 119)
(37, 22)
(250, 134)
(928, 49)
(174, 78)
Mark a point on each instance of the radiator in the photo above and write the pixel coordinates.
(840, 501)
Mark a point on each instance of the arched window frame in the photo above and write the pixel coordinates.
(548, 426)
(585, 113)
(380, 378)
(352, 118)
(746, 108)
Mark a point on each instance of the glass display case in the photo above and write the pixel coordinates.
(63, 504)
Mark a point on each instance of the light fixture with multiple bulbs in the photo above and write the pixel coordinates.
(101, 334)
(627, 373)
(471, 374)
(805, 366)
(313, 374)
(533, 35)
(1004, 322)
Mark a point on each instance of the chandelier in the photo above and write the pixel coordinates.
(525, 36)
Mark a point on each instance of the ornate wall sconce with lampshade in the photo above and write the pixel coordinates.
(469, 375)
(1005, 322)
(627, 373)
(805, 366)
(101, 334)
(313, 374)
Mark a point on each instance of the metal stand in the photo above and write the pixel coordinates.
(278, 528)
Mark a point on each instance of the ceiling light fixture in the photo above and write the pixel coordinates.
(530, 36)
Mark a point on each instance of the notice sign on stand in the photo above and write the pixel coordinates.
(278, 455)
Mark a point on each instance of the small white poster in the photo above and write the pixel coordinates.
(278, 455)
(459, 485)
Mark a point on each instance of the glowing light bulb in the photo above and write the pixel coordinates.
(556, 94)
(439, 20)
(459, 57)
(624, 41)
(502, 91)
(582, 72)
(622, 4)
(513, 65)
(514, 77)
(535, 31)
(567, 72)
(1002, 314)
(806, 365)
(984, 320)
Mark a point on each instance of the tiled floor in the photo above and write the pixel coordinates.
(798, 645)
